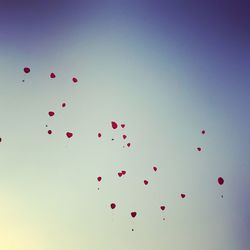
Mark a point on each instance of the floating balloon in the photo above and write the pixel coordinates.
(26, 70)
(124, 137)
(133, 214)
(114, 125)
(74, 80)
(52, 75)
(63, 105)
(69, 134)
(99, 135)
(113, 205)
(220, 180)
(99, 178)
(155, 168)
(51, 113)
(162, 208)
(199, 149)
(183, 196)
(145, 182)
(49, 132)
(123, 125)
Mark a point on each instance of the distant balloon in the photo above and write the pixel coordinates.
(183, 196)
(203, 132)
(133, 214)
(26, 70)
(69, 134)
(155, 168)
(145, 182)
(99, 178)
(162, 208)
(114, 125)
(220, 180)
(74, 80)
(113, 205)
(52, 75)
(123, 125)
(51, 113)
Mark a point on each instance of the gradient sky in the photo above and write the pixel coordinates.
(167, 69)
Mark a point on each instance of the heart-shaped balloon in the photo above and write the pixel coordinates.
(69, 134)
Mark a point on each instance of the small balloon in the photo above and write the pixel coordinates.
(113, 205)
(26, 70)
(114, 125)
(51, 113)
(220, 180)
(183, 196)
(52, 75)
(69, 134)
(133, 214)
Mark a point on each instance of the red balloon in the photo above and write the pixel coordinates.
(155, 168)
(74, 80)
(99, 135)
(52, 75)
(69, 134)
(123, 125)
(51, 113)
(49, 132)
(162, 208)
(183, 196)
(146, 182)
(113, 205)
(99, 178)
(26, 70)
(114, 125)
(220, 180)
(133, 214)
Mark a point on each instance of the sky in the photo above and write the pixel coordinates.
(165, 69)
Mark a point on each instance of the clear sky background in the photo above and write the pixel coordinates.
(167, 69)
